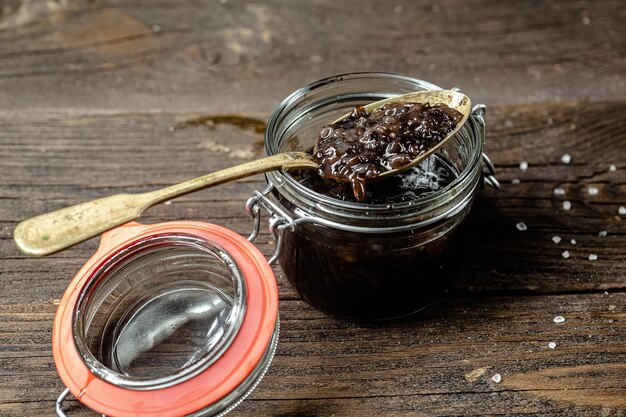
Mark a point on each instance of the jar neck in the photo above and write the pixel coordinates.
(292, 127)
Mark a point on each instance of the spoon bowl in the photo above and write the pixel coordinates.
(453, 99)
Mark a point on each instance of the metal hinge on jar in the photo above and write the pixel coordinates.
(279, 219)
(489, 171)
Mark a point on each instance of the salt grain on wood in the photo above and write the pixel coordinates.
(573, 241)
(622, 210)
(515, 181)
(551, 345)
(592, 191)
(603, 233)
(559, 191)
(612, 167)
(567, 205)
(565, 254)
(556, 239)
(496, 378)
(593, 257)
(523, 165)
(566, 159)
(521, 226)
(559, 319)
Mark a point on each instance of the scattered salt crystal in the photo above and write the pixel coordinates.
(567, 205)
(592, 191)
(565, 254)
(559, 319)
(556, 239)
(521, 226)
(523, 165)
(496, 378)
(559, 191)
(586, 21)
(573, 241)
(515, 181)
(566, 159)
(603, 233)
(551, 345)
(156, 28)
(398, 8)
(622, 210)
(612, 167)
(606, 293)
(593, 257)
(167, 203)
(171, 128)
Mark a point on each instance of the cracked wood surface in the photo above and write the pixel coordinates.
(103, 97)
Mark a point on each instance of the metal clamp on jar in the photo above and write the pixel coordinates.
(373, 261)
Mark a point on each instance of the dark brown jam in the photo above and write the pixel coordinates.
(371, 276)
(376, 276)
(362, 146)
(419, 181)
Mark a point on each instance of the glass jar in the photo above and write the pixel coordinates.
(172, 319)
(371, 261)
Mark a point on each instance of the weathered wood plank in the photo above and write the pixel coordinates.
(501, 258)
(439, 363)
(244, 57)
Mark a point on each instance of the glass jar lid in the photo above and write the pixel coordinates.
(167, 319)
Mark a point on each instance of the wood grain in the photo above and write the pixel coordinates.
(325, 366)
(104, 97)
(209, 55)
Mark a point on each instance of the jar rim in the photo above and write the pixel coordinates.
(426, 203)
(227, 379)
(128, 255)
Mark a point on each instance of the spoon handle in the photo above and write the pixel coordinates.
(60, 229)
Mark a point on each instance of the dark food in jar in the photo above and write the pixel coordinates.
(362, 146)
(428, 177)
(371, 276)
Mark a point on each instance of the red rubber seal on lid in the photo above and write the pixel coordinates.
(201, 390)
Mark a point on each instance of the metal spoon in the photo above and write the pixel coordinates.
(51, 232)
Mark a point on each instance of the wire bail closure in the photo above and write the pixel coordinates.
(59, 403)
(279, 219)
(489, 171)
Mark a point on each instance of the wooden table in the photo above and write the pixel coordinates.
(103, 97)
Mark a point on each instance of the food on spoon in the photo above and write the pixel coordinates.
(362, 146)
